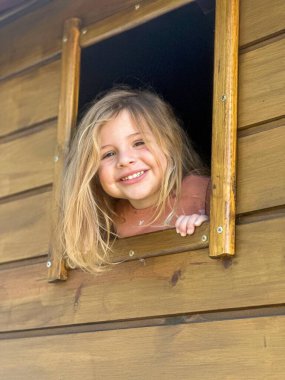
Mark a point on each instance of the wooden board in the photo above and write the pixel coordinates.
(24, 229)
(38, 35)
(232, 349)
(261, 170)
(261, 84)
(260, 19)
(28, 162)
(173, 284)
(30, 98)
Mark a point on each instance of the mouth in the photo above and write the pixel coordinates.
(133, 176)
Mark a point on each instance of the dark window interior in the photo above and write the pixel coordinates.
(173, 54)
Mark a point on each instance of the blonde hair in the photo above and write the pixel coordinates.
(86, 226)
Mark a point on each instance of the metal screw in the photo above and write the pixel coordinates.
(55, 158)
(137, 6)
(204, 238)
(48, 263)
(220, 229)
(131, 253)
(223, 98)
(84, 31)
(64, 39)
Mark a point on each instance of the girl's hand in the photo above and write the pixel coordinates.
(185, 224)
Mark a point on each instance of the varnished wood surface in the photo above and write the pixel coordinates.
(260, 19)
(261, 84)
(24, 227)
(142, 12)
(261, 170)
(172, 284)
(27, 162)
(224, 130)
(30, 98)
(38, 35)
(239, 349)
(67, 118)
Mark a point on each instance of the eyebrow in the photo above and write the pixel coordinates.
(128, 137)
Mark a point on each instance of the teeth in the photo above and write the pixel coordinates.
(138, 174)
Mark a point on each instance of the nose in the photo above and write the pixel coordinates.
(125, 158)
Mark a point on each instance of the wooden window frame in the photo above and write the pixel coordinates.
(219, 233)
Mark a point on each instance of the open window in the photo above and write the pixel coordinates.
(170, 49)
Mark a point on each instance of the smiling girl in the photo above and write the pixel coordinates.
(130, 170)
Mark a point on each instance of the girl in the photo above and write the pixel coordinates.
(130, 170)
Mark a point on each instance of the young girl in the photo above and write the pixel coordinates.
(130, 170)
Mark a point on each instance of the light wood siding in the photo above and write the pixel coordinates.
(24, 227)
(261, 84)
(27, 162)
(239, 349)
(260, 19)
(178, 283)
(30, 98)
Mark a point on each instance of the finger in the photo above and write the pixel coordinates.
(201, 219)
(191, 223)
(181, 225)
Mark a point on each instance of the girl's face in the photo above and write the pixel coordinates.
(128, 169)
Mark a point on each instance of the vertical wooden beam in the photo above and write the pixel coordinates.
(222, 215)
(68, 107)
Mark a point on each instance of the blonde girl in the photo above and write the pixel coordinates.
(130, 170)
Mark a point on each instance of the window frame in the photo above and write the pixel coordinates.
(219, 233)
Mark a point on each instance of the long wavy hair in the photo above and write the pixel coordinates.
(86, 227)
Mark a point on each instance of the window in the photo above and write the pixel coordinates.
(173, 53)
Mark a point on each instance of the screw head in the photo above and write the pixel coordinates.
(220, 229)
(48, 263)
(56, 158)
(131, 253)
(223, 98)
(204, 238)
(84, 31)
(137, 6)
(64, 39)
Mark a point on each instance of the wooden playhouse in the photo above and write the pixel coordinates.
(210, 306)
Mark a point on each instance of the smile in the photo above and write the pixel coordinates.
(132, 176)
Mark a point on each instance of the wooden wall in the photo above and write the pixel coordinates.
(176, 316)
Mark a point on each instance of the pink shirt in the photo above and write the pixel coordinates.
(195, 194)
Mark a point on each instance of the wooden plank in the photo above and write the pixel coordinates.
(25, 45)
(172, 284)
(261, 84)
(24, 229)
(261, 170)
(260, 19)
(67, 116)
(120, 22)
(27, 162)
(224, 131)
(30, 98)
(251, 348)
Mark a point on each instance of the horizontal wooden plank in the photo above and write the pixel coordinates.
(260, 19)
(25, 45)
(261, 170)
(27, 162)
(261, 84)
(30, 98)
(234, 349)
(172, 284)
(24, 229)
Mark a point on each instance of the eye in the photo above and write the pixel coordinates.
(139, 143)
(108, 155)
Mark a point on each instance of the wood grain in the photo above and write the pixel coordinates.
(27, 162)
(261, 84)
(25, 45)
(129, 18)
(261, 170)
(24, 227)
(30, 98)
(67, 117)
(238, 349)
(224, 130)
(260, 19)
(172, 284)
